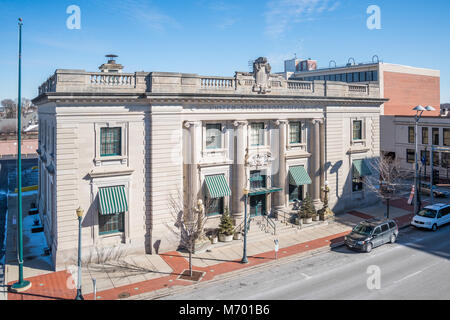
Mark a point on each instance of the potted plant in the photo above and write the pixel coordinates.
(307, 210)
(237, 235)
(298, 218)
(226, 227)
(213, 237)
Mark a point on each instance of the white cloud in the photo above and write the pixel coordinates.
(281, 14)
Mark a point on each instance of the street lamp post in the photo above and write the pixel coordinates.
(419, 110)
(80, 216)
(21, 285)
(244, 257)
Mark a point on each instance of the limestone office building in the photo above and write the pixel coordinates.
(126, 146)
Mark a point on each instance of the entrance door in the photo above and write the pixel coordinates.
(258, 205)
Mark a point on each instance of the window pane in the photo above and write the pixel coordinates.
(357, 181)
(356, 77)
(257, 134)
(446, 137)
(357, 130)
(424, 135)
(410, 156)
(295, 132)
(215, 206)
(111, 223)
(295, 193)
(436, 158)
(425, 156)
(110, 142)
(375, 75)
(411, 135)
(349, 77)
(213, 136)
(362, 76)
(369, 76)
(435, 136)
(257, 180)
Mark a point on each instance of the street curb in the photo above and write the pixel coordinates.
(161, 293)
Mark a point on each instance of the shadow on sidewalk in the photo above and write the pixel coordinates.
(125, 267)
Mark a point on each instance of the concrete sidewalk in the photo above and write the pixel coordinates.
(140, 274)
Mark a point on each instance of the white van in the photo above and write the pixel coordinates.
(432, 217)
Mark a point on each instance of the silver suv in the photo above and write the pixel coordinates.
(372, 233)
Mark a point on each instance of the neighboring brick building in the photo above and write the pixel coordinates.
(404, 86)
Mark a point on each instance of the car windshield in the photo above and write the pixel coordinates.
(427, 213)
(363, 229)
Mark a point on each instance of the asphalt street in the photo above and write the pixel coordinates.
(416, 267)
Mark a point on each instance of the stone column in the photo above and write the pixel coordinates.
(192, 184)
(280, 197)
(239, 170)
(315, 166)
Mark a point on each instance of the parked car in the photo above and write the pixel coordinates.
(425, 189)
(372, 233)
(432, 216)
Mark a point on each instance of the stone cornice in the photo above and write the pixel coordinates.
(201, 98)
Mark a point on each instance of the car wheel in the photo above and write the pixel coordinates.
(369, 247)
(434, 227)
(393, 238)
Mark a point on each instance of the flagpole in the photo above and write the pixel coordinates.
(21, 285)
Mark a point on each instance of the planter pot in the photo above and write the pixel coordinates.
(316, 218)
(307, 220)
(298, 221)
(214, 240)
(225, 238)
(237, 236)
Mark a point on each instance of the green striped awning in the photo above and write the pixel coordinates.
(298, 176)
(217, 186)
(362, 168)
(112, 200)
(259, 191)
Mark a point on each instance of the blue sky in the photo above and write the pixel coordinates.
(217, 37)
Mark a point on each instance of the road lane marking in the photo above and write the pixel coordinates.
(408, 276)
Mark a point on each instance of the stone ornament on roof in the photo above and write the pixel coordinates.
(261, 72)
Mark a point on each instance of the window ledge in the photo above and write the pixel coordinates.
(110, 172)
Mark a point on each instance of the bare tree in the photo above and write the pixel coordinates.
(10, 107)
(388, 179)
(190, 223)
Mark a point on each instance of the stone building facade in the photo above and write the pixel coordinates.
(132, 148)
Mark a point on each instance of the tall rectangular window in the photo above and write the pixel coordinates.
(295, 132)
(375, 75)
(349, 77)
(214, 136)
(369, 76)
(410, 156)
(295, 193)
(435, 136)
(426, 156)
(411, 136)
(445, 160)
(215, 207)
(436, 159)
(112, 223)
(110, 142)
(257, 134)
(357, 181)
(424, 135)
(357, 130)
(356, 77)
(362, 76)
(257, 180)
(446, 137)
